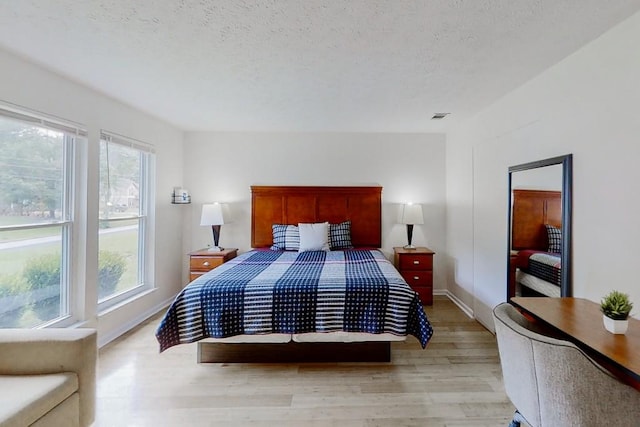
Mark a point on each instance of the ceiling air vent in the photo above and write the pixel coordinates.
(438, 116)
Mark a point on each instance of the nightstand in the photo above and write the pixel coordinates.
(416, 266)
(203, 260)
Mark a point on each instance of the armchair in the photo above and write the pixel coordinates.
(47, 377)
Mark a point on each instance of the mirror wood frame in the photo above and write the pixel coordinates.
(567, 182)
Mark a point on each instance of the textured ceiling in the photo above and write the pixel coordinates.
(304, 65)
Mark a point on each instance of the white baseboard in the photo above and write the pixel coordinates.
(106, 339)
(462, 306)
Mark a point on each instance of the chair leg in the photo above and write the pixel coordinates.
(517, 419)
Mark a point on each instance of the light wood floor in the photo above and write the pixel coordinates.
(456, 381)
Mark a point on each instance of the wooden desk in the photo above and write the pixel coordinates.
(580, 321)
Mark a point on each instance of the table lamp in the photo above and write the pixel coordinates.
(213, 215)
(411, 214)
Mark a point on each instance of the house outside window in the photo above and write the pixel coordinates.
(36, 218)
(124, 253)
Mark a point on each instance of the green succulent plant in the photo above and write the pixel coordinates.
(616, 305)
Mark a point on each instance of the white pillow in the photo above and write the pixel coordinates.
(314, 237)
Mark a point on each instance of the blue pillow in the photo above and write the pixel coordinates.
(554, 236)
(340, 236)
(285, 237)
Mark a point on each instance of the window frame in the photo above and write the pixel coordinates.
(145, 249)
(72, 133)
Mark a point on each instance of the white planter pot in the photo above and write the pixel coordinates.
(615, 326)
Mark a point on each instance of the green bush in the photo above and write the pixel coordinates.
(11, 285)
(43, 271)
(111, 266)
(40, 273)
(12, 305)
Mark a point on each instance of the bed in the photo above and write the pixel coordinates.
(536, 243)
(281, 302)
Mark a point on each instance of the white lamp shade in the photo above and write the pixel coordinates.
(212, 214)
(411, 214)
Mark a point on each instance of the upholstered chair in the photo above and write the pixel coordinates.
(48, 377)
(552, 383)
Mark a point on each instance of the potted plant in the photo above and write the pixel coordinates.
(615, 308)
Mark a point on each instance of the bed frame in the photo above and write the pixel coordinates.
(531, 210)
(308, 204)
(292, 205)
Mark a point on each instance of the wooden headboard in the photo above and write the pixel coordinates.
(532, 209)
(300, 204)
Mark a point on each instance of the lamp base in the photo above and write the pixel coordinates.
(216, 238)
(409, 237)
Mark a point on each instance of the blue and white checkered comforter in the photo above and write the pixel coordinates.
(262, 292)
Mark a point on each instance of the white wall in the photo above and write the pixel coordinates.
(27, 85)
(586, 105)
(410, 167)
(548, 178)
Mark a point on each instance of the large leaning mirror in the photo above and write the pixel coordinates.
(539, 256)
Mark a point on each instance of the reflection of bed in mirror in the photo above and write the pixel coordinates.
(536, 243)
(540, 202)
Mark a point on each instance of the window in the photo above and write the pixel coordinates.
(36, 182)
(123, 255)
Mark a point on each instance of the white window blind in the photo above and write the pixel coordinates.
(127, 142)
(47, 122)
